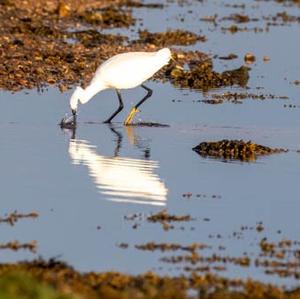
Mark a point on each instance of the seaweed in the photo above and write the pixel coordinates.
(201, 75)
(234, 149)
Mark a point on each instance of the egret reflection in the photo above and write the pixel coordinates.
(120, 179)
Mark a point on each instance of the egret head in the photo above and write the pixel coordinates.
(76, 96)
(165, 55)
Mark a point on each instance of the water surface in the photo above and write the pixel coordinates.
(84, 183)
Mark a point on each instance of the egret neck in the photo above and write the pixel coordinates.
(84, 95)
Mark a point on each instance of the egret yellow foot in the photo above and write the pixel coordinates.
(131, 115)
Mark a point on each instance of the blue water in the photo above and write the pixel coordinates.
(83, 184)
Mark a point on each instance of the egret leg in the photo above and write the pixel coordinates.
(118, 110)
(134, 109)
(74, 113)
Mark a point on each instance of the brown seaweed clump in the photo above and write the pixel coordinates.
(40, 45)
(176, 37)
(165, 219)
(152, 246)
(201, 75)
(93, 38)
(239, 18)
(234, 149)
(16, 245)
(109, 285)
(288, 1)
(238, 98)
(164, 216)
(13, 217)
(108, 17)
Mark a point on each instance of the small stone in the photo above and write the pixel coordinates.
(249, 58)
(63, 10)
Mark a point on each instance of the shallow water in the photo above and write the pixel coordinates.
(84, 183)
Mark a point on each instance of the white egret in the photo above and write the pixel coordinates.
(122, 71)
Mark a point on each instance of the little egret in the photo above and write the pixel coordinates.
(122, 71)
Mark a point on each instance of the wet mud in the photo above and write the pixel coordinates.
(36, 51)
(40, 47)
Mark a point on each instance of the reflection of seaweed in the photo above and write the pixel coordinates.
(234, 149)
(200, 75)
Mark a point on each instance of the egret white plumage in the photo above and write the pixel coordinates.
(122, 71)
